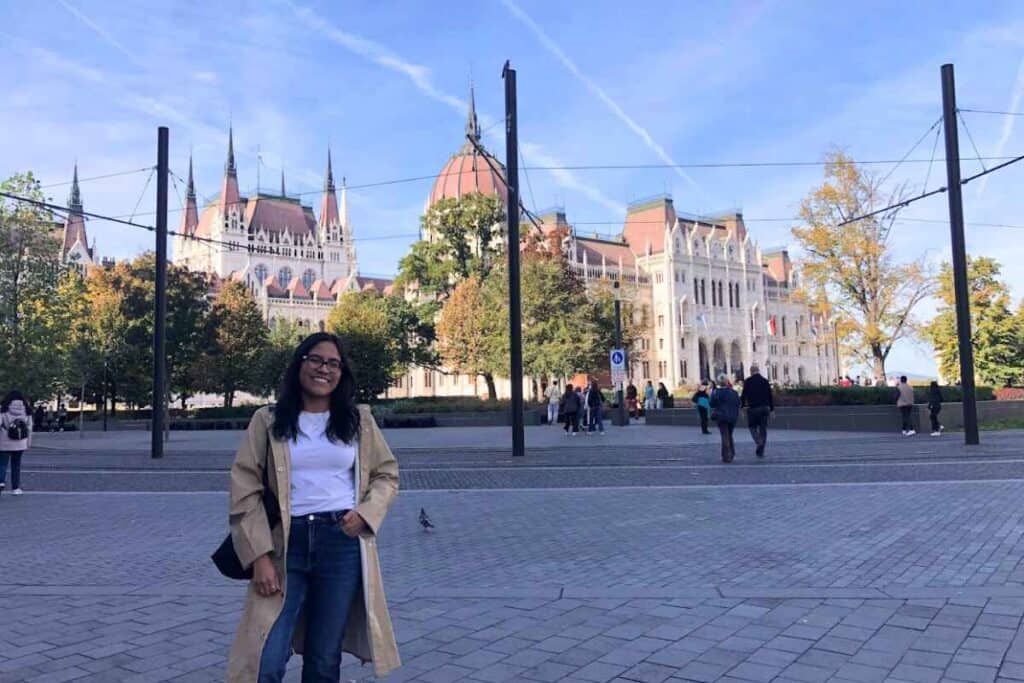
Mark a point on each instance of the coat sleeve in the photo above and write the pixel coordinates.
(383, 475)
(250, 530)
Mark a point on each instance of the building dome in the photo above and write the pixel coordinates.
(469, 170)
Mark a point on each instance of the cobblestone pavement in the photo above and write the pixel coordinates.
(824, 579)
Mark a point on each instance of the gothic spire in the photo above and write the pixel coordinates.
(472, 124)
(191, 194)
(75, 200)
(282, 184)
(329, 178)
(229, 167)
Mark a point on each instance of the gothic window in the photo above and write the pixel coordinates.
(661, 321)
(261, 273)
(783, 326)
(721, 299)
(285, 276)
(308, 277)
(703, 294)
(661, 343)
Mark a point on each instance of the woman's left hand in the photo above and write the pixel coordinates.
(352, 524)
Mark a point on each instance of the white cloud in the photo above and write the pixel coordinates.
(208, 77)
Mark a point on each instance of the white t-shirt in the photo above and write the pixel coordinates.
(323, 479)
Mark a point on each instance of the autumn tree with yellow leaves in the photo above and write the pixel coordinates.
(870, 291)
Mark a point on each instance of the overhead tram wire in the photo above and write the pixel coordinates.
(989, 111)
(911, 150)
(908, 202)
(526, 212)
(977, 154)
(97, 177)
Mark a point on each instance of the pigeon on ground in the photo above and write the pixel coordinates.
(425, 521)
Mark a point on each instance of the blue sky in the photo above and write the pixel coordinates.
(599, 83)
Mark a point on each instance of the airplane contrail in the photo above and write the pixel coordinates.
(420, 76)
(597, 90)
(1008, 121)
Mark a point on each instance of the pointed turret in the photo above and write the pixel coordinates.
(283, 194)
(472, 124)
(329, 219)
(190, 217)
(74, 224)
(230, 199)
(75, 198)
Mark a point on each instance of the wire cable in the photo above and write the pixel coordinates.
(142, 194)
(908, 202)
(97, 177)
(935, 146)
(911, 150)
(989, 111)
(977, 154)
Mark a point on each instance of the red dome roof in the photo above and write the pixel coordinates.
(467, 172)
(471, 169)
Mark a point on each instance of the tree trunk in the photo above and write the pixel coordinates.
(878, 366)
(492, 393)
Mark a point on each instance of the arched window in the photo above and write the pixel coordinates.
(784, 327)
(703, 294)
(285, 276)
(721, 299)
(260, 272)
(308, 278)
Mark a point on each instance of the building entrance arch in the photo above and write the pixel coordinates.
(736, 361)
(718, 358)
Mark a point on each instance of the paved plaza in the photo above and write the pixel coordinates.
(636, 556)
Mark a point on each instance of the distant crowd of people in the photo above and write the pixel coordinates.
(580, 409)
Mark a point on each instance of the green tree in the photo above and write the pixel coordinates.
(187, 308)
(466, 238)
(853, 264)
(472, 330)
(30, 269)
(373, 341)
(282, 338)
(234, 341)
(996, 333)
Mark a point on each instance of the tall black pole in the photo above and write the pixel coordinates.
(515, 316)
(618, 344)
(956, 227)
(160, 317)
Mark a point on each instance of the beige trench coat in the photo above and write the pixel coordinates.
(368, 633)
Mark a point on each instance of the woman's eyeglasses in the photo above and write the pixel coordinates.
(316, 362)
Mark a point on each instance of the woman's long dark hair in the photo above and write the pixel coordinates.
(10, 398)
(343, 422)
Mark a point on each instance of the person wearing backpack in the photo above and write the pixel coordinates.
(15, 437)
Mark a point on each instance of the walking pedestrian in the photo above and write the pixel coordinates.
(649, 396)
(554, 395)
(725, 410)
(595, 404)
(62, 416)
(905, 403)
(935, 407)
(631, 400)
(757, 397)
(570, 409)
(15, 438)
(316, 585)
(703, 403)
(662, 396)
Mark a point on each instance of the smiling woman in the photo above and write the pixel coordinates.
(335, 478)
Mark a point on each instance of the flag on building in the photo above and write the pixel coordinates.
(702, 320)
(771, 326)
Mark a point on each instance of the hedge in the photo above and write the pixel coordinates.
(441, 404)
(852, 396)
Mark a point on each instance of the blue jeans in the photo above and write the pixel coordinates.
(324, 577)
(596, 418)
(15, 459)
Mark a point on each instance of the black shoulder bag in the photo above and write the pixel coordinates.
(225, 558)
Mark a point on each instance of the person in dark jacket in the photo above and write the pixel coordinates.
(757, 397)
(725, 408)
(595, 405)
(570, 409)
(703, 403)
(662, 396)
(935, 407)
